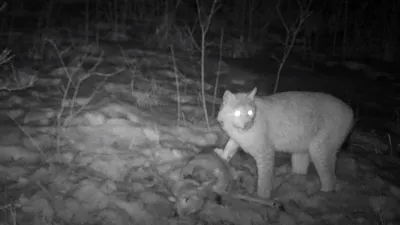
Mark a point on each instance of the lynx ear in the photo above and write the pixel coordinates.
(252, 94)
(227, 96)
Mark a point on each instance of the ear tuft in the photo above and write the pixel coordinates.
(252, 94)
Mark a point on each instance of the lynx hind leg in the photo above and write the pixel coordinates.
(300, 163)
(323, 155)
(265, 172)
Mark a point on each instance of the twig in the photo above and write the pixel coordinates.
(218, 71)
(35, 144)
(304, 14)
(88, 74)
(190, 32)
(64, 96)
(6, 55)
(3, 6)
(178, 96)
(204, 29)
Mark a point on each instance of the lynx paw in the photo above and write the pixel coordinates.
(224, 154)
(228, 155)
(219, 152)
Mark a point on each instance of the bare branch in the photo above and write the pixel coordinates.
(291, 35)
(281, 17)
(204, 25)
(3, 6)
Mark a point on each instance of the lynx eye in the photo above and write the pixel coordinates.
(250, 112)
(237, 113)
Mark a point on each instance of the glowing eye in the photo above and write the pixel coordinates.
(250, 112)
(237, 113)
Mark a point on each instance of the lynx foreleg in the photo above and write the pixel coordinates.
(230, 150)
(265, 171)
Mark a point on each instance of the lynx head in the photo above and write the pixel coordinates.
(238, 110)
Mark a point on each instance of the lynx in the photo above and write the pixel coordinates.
(310, 125)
